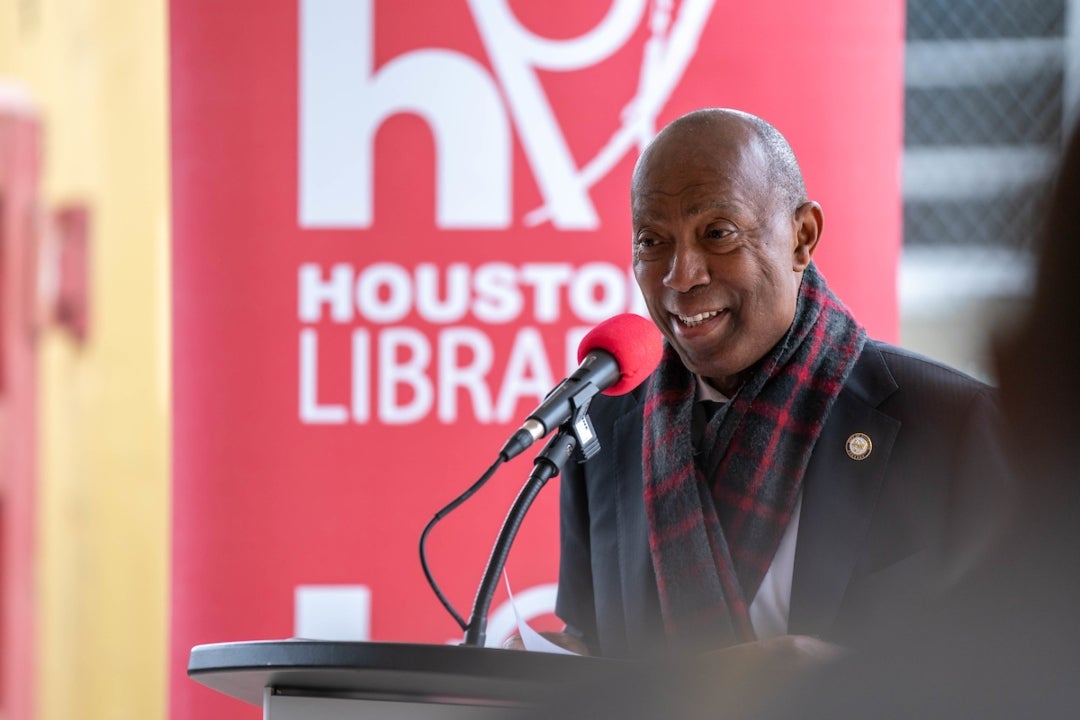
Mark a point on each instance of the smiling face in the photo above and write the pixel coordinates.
(719, 247)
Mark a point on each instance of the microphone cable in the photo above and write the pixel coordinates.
(450, 507)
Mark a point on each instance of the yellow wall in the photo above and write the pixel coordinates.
(97, 71)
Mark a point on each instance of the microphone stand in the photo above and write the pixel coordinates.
(548, 463)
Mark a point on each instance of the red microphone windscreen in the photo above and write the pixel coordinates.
(634, 341)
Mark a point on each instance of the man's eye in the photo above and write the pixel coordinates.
(645, 241)
(647, 248)
(718, 233)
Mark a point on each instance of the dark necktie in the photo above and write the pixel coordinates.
(703, 412)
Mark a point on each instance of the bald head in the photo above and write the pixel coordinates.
(725, 131)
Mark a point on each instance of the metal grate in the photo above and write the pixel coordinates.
(1003, 221)
(984, 110)
(942, 19)
(1020, 112)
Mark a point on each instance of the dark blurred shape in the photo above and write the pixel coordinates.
(71, 309)
(1007, 642)
(1038, 360)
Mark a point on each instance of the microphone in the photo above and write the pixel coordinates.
(616, 356)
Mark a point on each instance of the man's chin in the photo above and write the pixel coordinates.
(719, 375)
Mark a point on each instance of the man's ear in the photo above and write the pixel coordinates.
(808, 224)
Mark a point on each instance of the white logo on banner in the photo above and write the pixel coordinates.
(343, 101)
(410, 373)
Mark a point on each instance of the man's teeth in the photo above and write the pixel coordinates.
(693, 320)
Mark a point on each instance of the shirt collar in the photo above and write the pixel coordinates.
(705, 391)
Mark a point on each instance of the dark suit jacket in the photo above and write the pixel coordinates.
(874, 536)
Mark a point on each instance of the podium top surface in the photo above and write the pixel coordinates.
(391, 671)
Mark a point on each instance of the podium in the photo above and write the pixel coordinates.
(331, 680)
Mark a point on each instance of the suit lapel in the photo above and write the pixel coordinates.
(640, 602)
(839, 495)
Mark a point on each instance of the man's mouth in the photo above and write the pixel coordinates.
(695, 320)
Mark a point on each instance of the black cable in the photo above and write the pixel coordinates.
(439, 516)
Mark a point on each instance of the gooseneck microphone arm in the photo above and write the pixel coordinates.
(548, 463)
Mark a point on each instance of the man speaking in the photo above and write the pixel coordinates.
(780, 473)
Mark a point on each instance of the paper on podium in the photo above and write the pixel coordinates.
(532, 640)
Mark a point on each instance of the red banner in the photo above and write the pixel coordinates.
(392, 223)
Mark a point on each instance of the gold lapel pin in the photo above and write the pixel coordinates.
(858, 446)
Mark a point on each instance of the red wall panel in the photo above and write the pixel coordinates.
(19, 208)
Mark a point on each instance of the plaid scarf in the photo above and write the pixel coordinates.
(715, 524)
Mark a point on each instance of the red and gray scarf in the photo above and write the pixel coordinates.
(715, 524)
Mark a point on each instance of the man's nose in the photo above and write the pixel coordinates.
(689, 268)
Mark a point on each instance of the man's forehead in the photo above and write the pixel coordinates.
(699, 185)
(699, 200)
(689, 199)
